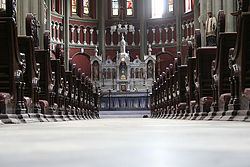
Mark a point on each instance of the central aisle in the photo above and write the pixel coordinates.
(126, 143)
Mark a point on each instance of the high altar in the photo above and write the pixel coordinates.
(124, 83)
(123, 74)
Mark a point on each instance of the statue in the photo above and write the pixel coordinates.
(96, 71)
(150, 69)
(123, 45)
(210, 29)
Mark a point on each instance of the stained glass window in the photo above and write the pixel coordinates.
(188, 6)
(3, 4)
(170, 5)
(74, 6)
(130, 7)
(115, 7)
(86, 7)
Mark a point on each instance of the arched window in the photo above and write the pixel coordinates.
(115, 7)
(130, 8)
(2, 5)
(86, 7)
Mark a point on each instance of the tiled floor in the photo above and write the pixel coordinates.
(126, 143)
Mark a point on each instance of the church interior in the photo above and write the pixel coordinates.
(124, 83)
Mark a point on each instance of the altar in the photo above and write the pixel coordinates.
(123, 74)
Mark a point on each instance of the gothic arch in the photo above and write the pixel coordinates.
(82, 60)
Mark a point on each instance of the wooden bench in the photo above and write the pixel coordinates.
(204, 95)
(12, 67)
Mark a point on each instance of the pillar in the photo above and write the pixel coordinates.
(78, 35)
(187, 26)
(111, 38)
(58, 32)
(101, 27)
(202, 19)
(229, 7)
(178, 28)
(160, 31)
(196, 14)
(72, 29)
(153, 30)
(143, 33)
(85, 36)
(172, 38)
(91, 36)
(133, 38)
(66, 32)
(183, 32)
(166, 30)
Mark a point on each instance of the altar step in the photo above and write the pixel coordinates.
(124, 114)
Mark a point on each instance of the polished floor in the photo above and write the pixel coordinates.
(126, 143)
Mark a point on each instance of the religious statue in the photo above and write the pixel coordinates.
(95, 71)
(150, 69)
(210, 29)
(123, 45)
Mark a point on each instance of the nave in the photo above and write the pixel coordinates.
(126, 143)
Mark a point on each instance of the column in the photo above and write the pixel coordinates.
(101, 27)
(187, 26)
(91, 36)
(139, 42)
(85, 36)
(166, 30)
(66, 32)
(178, 8)
(202, 19)
(58, 32)
(61, 30)
(53, 31)
(191, 25)
(97, 33)
(105, 38)
(209, 5)
(160, 31)
(172, 30)
(111, 38)
(217, 6)
(48, 2)
(78, 35)
(196, 14)
(119, 38)
(230, 20)
(153, 30)
(143, 36)
(183, 32)
(72, 29)
(133, 38)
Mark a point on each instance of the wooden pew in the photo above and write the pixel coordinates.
(203, 77)
(166, 92)
(31, 78)
(181, 92)
(190, 88)
(221, 74)
(170, 91)
(46, 83)
(12, 68)
(239, 65)
(153, 101)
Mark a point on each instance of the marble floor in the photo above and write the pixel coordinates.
(126, 143)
